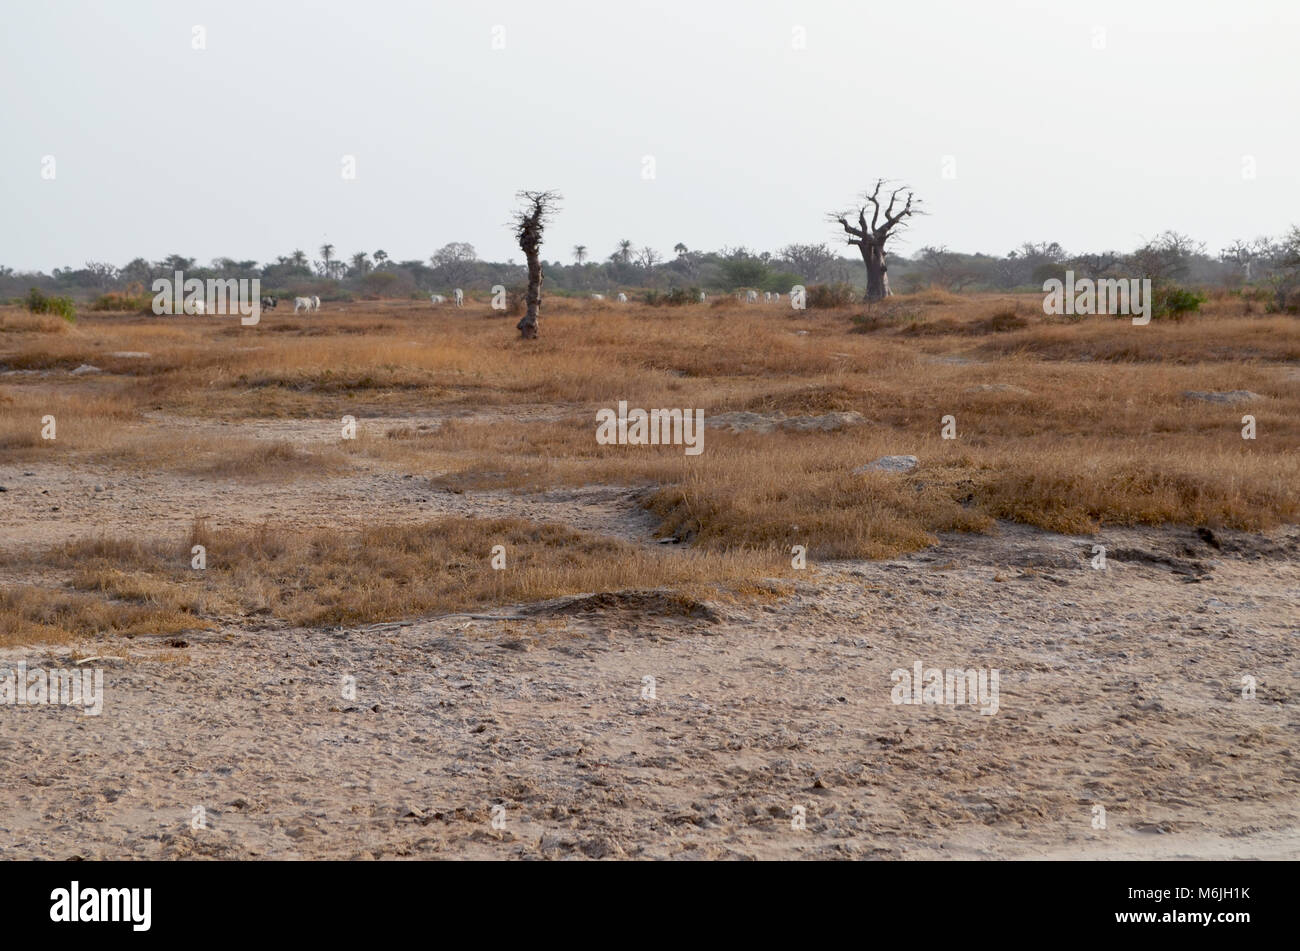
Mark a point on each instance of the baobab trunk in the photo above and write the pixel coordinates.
(877, 273)
(530, 222)
(527, 325)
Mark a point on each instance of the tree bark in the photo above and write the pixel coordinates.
(530, 222)
(527, 325)
(877, 271)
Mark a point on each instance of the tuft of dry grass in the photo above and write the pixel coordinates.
(32, 614)
(324, 576)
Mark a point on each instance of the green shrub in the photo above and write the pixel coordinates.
(780, 282)
(39, 303)
(821, 296)
(1174, 303)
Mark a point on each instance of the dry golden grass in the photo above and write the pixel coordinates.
(1068, 426)
(15, 320)
(324, 576)
(32, 614)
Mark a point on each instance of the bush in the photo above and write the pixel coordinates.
(38, 303)
(1173, 302)
(120, 300)
(393, 284)
(675, 297)
(821, 296)
(780, 282)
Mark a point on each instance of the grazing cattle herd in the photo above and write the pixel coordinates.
(310, 304)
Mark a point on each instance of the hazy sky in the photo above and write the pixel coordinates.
(238, 149)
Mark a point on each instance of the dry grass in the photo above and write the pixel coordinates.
(1068, 426)
(325, 576)
(31, 614)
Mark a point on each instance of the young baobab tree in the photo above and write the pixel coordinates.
(536, 210)
(870, 238)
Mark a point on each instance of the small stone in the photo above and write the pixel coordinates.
(1228, 396)
(997, 388)
(84, 369)
(889, 464)
(99, 488)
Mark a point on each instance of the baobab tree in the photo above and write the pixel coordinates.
(536, 211)
(870, 238)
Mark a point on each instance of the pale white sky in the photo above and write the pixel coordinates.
(237, 149)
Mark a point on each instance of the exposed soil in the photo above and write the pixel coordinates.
(1119, 688)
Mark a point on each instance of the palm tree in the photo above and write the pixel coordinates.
(624, 252)
(298, 258)
(360, 263)
(679, 249)
(580, 253)
(381, 258)
(326, 253)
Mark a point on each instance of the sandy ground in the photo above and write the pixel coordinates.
(1119, 688)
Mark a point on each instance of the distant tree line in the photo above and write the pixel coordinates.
(1269, 263)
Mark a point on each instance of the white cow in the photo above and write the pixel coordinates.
(767, 297)
(437, 299)
(703, 297)
(315, 303)
(597, 296)
(460, 297)
(622, 298)
(776, 296)
(299, 303)
(751, 297)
